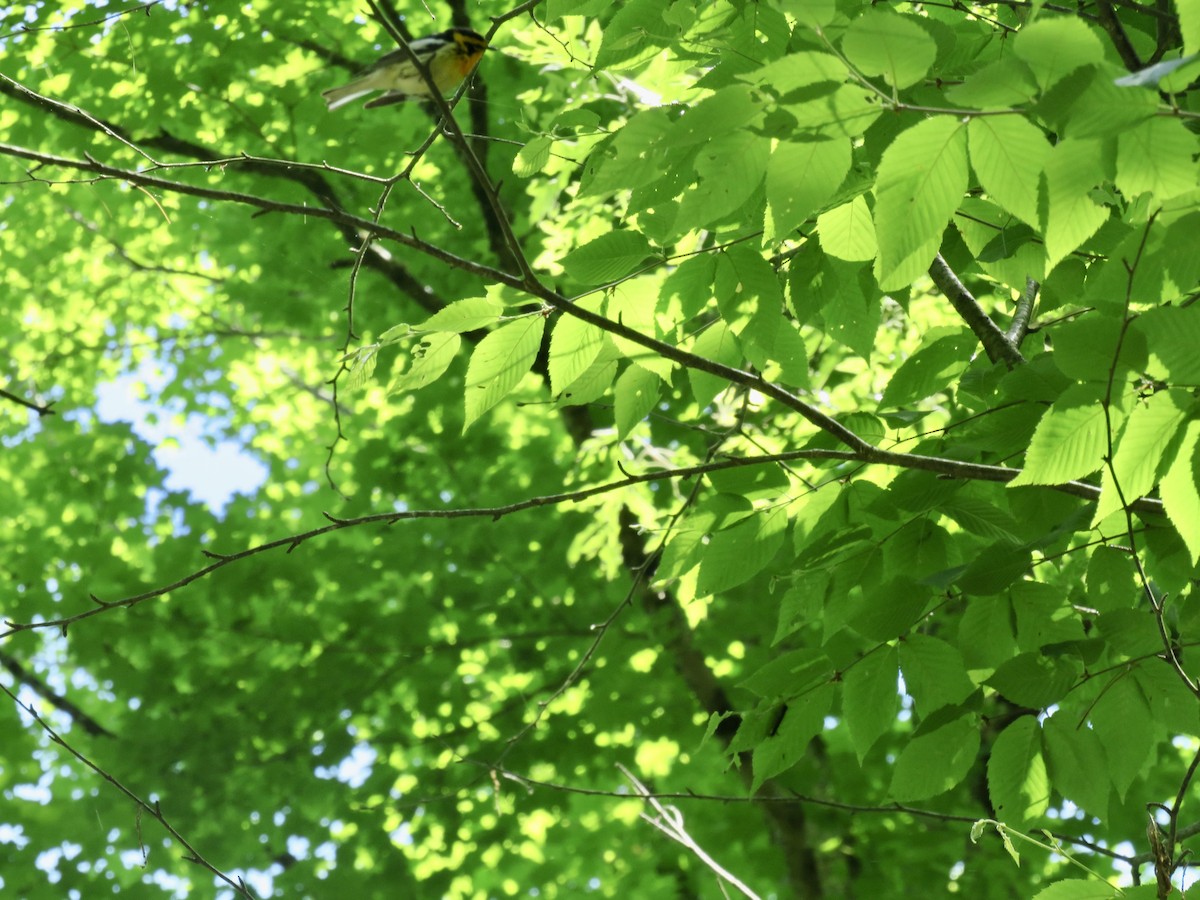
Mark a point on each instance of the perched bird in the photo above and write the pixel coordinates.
(449, 57)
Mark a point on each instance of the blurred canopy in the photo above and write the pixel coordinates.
(787, 408)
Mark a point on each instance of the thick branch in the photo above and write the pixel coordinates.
(1116, 33)
(997, 346)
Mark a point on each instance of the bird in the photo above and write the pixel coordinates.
(449, 57)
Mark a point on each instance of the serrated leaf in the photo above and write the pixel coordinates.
(1151, 429)
(718, 344)
(1073, 759)
(499, 363)
(1181, 489)
(922, 177)
(1157, 155)
(802, 721)
(848, 231)
(933, 368)
(1110, 580)
(1078, 889)
(431, 356)
(731, 167)
(638, 27)
(1053, 48)
(1018, 785)
(636, 395)
(870, 698)
(737, 554)
(880, 42)
(813, 13)
(363, 366)
(1122, 722)
(801, 177)
(936, 761)
(1073, 168)
(607, 258)
(1070, 440)
(594, 382)
(1008, 153)
(934, 673)
(464, 315)
(1172, 335)
(982, 518)
(1034, 680)
(574, 346)
(532, 158)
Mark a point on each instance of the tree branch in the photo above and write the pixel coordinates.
(1019, 327)
(239, 886)
(40, 410)
(1116, 33)
(58, 701)
(997, 346)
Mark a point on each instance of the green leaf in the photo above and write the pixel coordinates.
(922, 177)
(636, 395)
(812, 13)
(935, 761)
(870, 698)
(1122, 721)
(776, 348)
(1158, 156)
(1018, 785)
(363, 366)
(1034, 680)
(1110, 580)
(1189, 24)
(1172, 335)
(1003, 83)
(1073, 168)
(880, 42)
(1007, 154)
(1070, 440)
(1078, 889)
(574, 346)
(594, 382)
(737, 554)
(1181, 489)
(982, 518)
(731, 168)
(499, 363)
(1151, 430)
(1086, 349)
(639, 27)
(1055, 47)
(848, 231)
(930, 370)
(934, 673)
(801, 178)
(719, 115)
(533, 157)
(802, 721)
(1073, 759)
(464, 315)
(802, 604)
(607, 258)
(718, 344)
(431, 356)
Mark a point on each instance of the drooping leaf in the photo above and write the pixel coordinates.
(499, 362)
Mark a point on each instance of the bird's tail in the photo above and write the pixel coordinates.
(347, 93)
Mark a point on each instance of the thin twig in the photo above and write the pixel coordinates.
(154, 811)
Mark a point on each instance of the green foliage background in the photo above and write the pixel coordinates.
(790, 404)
